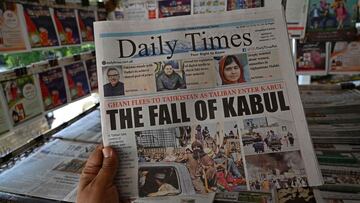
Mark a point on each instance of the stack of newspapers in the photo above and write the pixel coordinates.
(333, 117)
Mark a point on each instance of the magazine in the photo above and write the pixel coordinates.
(200, 105)
(66, 25)
(331, 20)
(86, 19)
(52, 86)
(344, 57)
(77, 80)
(311, 58)
(22, 97)
(102, 15)
(12, 33)
(40, 26)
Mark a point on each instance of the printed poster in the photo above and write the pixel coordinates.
(345, 57)
(332, 20)
(11, 31)
(244, 4)
(77, 80)
(209, 6)
(311, 58)
(53, 89)
(92, 74)
(40, 27)
(22, 98)
(65, 21)
(86, 20)
(169, 8)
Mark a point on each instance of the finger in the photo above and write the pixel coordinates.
(107, 172)
(92, 167)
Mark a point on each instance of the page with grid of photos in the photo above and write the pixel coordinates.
(195, 106)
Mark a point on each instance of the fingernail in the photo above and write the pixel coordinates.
(107, 152)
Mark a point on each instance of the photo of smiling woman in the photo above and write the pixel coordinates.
(231, 70)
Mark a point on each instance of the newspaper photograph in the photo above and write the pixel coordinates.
(40, 26)
(194, 106)
(53, 90)
(331, 20)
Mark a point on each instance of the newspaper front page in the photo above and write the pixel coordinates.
(198, 105)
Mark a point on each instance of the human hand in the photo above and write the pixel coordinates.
(97, 178)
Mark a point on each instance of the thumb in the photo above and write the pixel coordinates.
(107, 172)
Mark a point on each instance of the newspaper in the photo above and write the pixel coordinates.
(19, 136)
(87, 129)
(53, 172)
(296, 16)
(344, 57)
(341, 178)
(200, 106)
(331, 197)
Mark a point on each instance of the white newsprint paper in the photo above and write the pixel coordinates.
(205, 104)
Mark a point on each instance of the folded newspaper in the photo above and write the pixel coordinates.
(201, 105)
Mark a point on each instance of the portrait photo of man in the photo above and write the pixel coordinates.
(114, 87)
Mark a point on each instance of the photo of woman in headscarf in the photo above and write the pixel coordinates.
(231, 71)
(168, 79)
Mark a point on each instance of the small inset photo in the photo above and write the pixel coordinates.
(268, 134)
(170, 75)
(113, 78)
(276, 170)
(233, 69)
